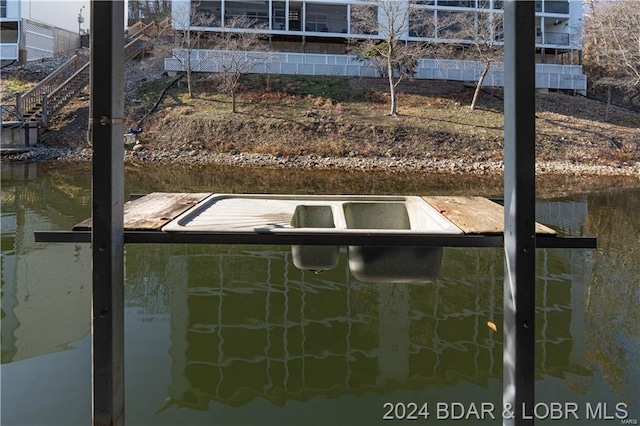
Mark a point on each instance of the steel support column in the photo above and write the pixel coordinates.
(106, 130)
(519, 211)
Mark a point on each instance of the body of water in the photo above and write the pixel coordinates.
(237, 335)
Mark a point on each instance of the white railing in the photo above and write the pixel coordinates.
(547, 76)
(9, 51)
(558, 38)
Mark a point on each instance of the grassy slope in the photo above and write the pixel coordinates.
(289, 115)
(326, 116)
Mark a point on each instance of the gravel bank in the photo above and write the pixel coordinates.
(233, 158)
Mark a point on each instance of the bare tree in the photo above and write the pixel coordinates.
(386, 24)
(190, 27)
(480, 36)
(612, 46)
(241, 51)
(155, 10)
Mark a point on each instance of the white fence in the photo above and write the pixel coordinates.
(9, 51)
(44, 41)
(39, 41)
(548, 76)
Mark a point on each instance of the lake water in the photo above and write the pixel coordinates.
(236, 335)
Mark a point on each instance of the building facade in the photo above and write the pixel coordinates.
(37, 29)
(10, 29)
(302, 30)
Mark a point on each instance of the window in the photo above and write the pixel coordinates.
(3, 8)
(556, 7)
(455, 25)
(457, 3)
(362, 19)
(490, 4)
(295, 23)
(422, 23)
(207, 12)
(279, 15)
(326, 18)
(316, 22)
(9, 32)
(254, 13)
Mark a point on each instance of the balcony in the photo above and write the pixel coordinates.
(457, 3)
(560, 7)
(9, 37)
(556, 38)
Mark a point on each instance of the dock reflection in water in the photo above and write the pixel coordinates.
(211, 328)
(246, 323)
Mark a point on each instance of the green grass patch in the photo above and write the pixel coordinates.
(336, 88)
(13, 86)
(154, 86)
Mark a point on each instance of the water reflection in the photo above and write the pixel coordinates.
(45, 307)
(243, 324)
(612, 317)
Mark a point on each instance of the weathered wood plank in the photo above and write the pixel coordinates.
(476, 215)
(153, 211)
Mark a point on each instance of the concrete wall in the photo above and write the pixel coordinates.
(15, 135)
(64, 40)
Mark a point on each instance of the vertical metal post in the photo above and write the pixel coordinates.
(45, 112)
(107, 109)
(19, 106)
(27, 134)
(519, 211)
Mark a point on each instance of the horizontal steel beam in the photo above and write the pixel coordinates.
(302, 238)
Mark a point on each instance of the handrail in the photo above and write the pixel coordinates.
(51, 76)
(152, 29)
(54, 104)
(165, 27)
(142, 30)
(31, 98)
(129, 51)
(52, 93)
(134, 28)
(5, 108)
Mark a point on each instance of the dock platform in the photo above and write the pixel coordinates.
(479, 219)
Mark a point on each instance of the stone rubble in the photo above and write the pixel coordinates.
(139, 154)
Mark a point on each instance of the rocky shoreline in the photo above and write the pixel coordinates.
(436, 135)
(352, 162)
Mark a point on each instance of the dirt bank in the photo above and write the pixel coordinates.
(308, 122)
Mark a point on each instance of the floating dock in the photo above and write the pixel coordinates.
(389, 238)
(186, 218)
